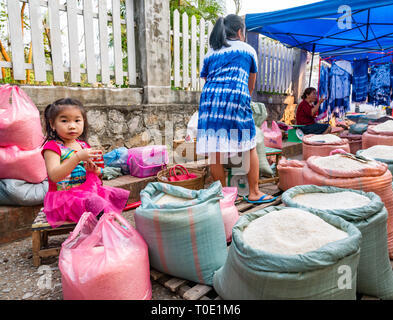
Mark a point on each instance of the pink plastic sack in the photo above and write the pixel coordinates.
(229, 212)
(354, 140)
(147, 161)
(27, 165)
(273, 136)
(105, 260)
(370, 139)
(20, 122)
(290, 173)
(320, 148)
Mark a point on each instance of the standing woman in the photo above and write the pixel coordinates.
(225, 122)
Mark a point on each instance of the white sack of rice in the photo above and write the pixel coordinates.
(290, 231)
(326, 138)
(379, 152)
(386, 126)
(167, 198)
(334, 200)
(338, 162)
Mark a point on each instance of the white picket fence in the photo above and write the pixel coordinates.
(184, 54)
(97, 63)
(275, 60)
(275, 67)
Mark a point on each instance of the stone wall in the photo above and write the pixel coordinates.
(118, 118)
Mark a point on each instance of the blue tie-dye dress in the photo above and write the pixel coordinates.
(225, 122)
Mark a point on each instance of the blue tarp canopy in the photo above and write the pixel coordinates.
(321, 27)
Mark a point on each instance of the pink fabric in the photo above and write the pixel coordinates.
(69, 205)
(105, 260)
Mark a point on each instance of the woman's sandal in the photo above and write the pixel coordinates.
(260, 200)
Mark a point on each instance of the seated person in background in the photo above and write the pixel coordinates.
(307, 111)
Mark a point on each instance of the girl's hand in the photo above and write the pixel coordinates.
(91, 166)
(87, 154)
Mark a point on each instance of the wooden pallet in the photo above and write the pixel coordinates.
(189, 290)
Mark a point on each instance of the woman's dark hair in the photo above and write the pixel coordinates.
(51, 112)
(307, 92)
(225, 28)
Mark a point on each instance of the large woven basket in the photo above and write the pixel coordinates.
(194, 184)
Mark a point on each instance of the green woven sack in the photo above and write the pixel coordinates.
(252, 274)
(375, 275)
(260, 114)
(185, 239)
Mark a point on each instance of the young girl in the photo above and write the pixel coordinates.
(74, 185)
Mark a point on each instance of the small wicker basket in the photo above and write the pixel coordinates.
(194, 184)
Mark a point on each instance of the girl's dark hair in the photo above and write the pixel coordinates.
(51, 112)
(225, 28)
(307, 92)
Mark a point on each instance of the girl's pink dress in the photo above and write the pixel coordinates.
(79, 192)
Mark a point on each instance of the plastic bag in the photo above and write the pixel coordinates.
(229, 212)
(273, 136)
(192, 127)
(117, 158)
(20, 123)
(27, 165)
(22, 193)
(105, 260)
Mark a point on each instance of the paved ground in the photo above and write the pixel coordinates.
(20, 280)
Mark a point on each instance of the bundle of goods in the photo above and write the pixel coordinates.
(322, 144)
(380, 134)
(184, 230)
(290, 173)
(366, 212)
(354, 140)
(288, 253)
(379, 153)
(358, 128)
(348, 171)
(117, 158)
(147, 161)
(105, 260)
(20, 137)
(22, 193)
(259, 114)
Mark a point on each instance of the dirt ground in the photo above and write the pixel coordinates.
(20, 280)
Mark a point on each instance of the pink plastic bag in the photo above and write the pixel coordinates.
(27, 165)
(147, 161)
(105, 260)
(229, 212)
(273, 136)
(20, 122)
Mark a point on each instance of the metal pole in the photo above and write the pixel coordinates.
(312, 62)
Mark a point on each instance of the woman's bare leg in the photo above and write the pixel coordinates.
(253, 177)
(217, 169)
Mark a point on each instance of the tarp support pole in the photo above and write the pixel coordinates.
(312, 62)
